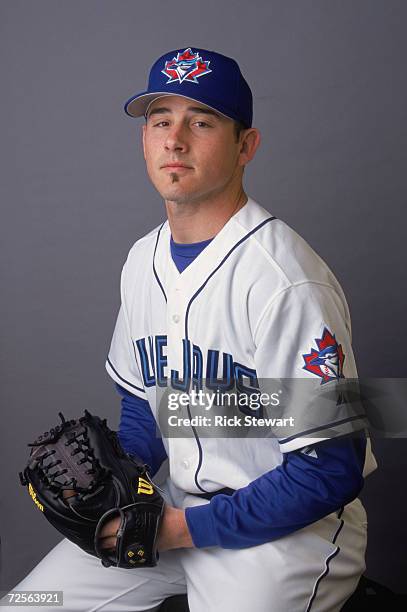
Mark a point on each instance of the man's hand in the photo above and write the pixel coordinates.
(174, 532)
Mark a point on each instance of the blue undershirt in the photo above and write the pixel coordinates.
(300, 491)
(184, 254)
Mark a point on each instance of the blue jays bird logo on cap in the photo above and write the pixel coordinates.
(327, 361)
(186, 66)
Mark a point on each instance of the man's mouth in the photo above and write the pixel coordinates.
(176, 166)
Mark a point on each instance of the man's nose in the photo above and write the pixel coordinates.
(176, 139)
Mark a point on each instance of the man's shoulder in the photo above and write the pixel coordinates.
(282, 250)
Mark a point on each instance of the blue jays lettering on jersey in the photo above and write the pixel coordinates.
(219, 370)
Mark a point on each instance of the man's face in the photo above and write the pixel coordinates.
(191, 151)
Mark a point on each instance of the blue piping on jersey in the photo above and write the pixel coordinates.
(200, 454)
(327, 561)
(322, 427)
(123, 379)
(154, 270)
(221, 264)
(186, 330)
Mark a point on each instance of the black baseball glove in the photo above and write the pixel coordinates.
(79, 476)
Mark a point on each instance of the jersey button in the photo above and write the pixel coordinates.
(185, 464)
(176, 318)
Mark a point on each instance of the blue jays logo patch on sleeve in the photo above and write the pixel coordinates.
(327, 361)
(186, 66)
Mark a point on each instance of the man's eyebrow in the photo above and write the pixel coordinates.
(203, 111)
(193, 109)
(158, 111)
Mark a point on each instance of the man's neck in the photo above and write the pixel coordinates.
(197, 221)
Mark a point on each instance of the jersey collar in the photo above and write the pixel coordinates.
(242, 223)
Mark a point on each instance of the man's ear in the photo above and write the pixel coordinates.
(250, 142)
(144, 127)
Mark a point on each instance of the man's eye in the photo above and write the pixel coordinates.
(161, 123)
(202, 124)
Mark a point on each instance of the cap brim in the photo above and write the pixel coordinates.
(137, 105)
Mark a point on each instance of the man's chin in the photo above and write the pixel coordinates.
(178, 196)
(179, 199)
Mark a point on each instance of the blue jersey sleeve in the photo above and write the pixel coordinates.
(138, 433)
(309, 484)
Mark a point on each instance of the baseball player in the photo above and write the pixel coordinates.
(223, 295)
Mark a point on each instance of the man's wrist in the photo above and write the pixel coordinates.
(174, 532)
(185, 538)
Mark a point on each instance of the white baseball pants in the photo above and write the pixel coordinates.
(312, 570)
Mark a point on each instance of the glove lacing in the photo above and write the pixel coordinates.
(82, 445)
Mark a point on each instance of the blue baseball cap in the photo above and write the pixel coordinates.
(205, 76)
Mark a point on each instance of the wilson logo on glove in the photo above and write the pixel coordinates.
(34, 498)
(144, 487)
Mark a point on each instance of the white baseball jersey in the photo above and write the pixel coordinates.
(257, 304)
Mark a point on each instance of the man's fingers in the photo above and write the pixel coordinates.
(111, 528)
(68, 493)
(109, 542)
(107, 538)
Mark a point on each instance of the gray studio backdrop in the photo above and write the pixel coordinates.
(329, 84)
